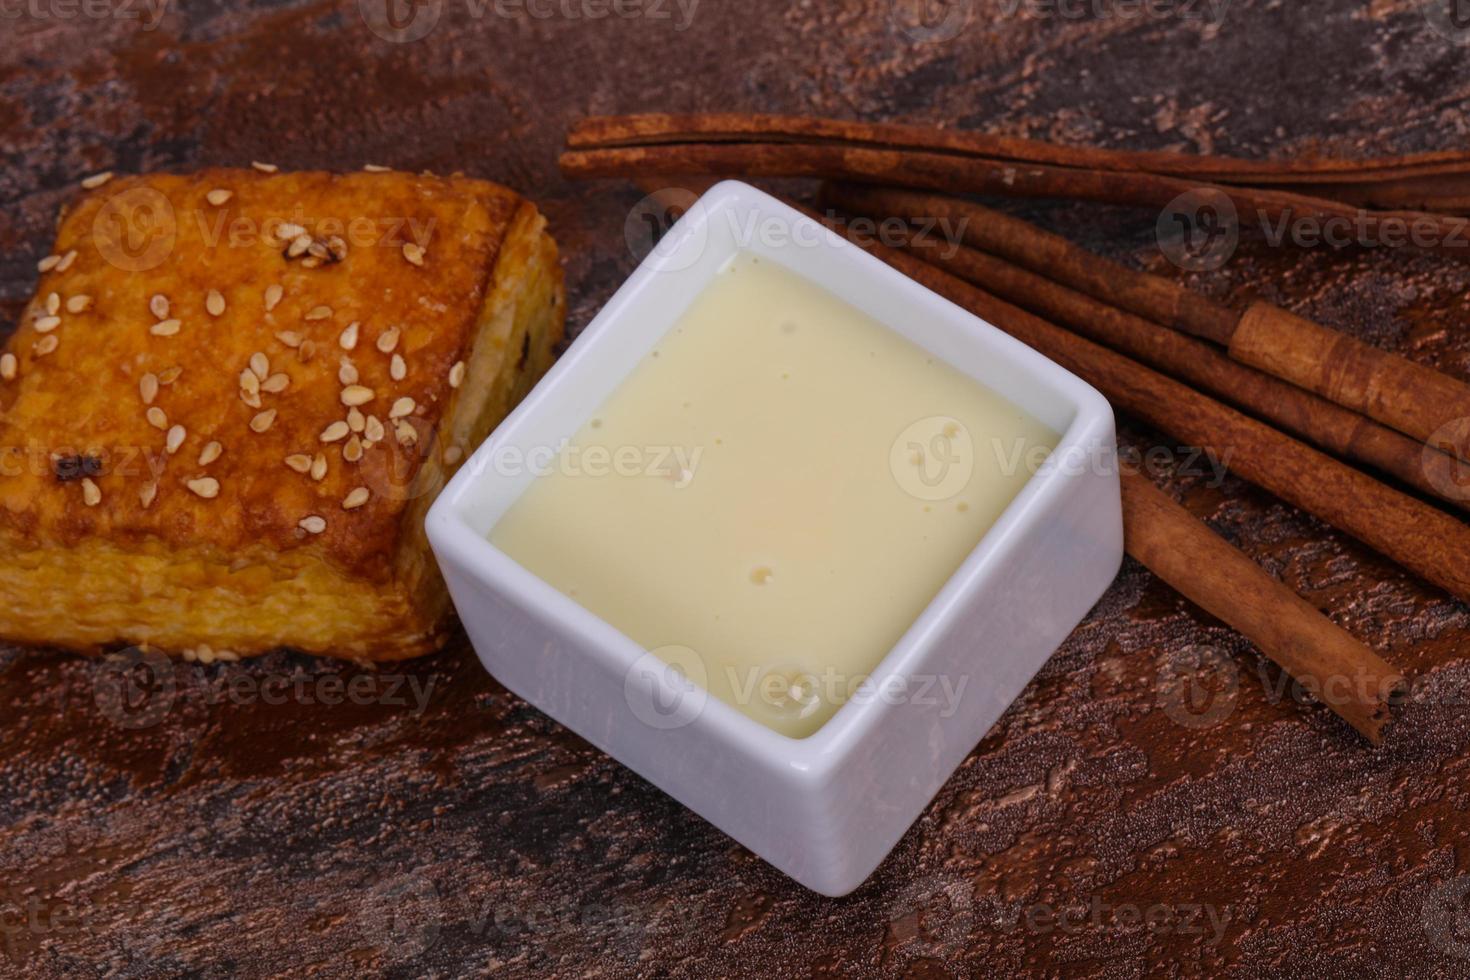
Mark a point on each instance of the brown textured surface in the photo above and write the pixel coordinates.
(226, 833)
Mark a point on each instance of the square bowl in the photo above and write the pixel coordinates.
(825, 809)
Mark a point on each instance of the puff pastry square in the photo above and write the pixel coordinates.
(235, 395)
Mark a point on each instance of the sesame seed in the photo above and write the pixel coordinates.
(319, 313)
(66, 260)
(319, 467)
(356, 395)
(53, 303)
(157, 417)
(306, 352)
(218, 196)
(228, 656)
(47, 324)
(298, 246)
(352, 452)
(414, 254)
(45, 345)
(312, 524)
(48, 263)
(211, 452)
(214, 303)
(96, 180)
(387, 340)
(310, 262)
(91, 495)
(402, 407)
(204, 486)
(174, 439)
(9, 366)
(356, 498)
(189, 654)
(335, 432)
(169, 375)
(261, 365)
(275, 384)
(250, 398)
(146, 494)
(397, 368)
(336, 248)
(318, 250)
(79, 303)
(299, 463)
(289, 230)
(405, 433)
(263, 421)
(456, 374)
(289, 337)
(273, 294)
(373, 168)
(265, 168)
(166, 328)
(348, 340)
(373, 429)
(249, 382)
(347, 373)
(158, 306)
(452, 455)
(148, 387)
(356, 421)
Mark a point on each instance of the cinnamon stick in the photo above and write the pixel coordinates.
(1418, 537)
(947, 172)
(1342, 673)
(1418, 401)
(1429, 181)
(1427, 404)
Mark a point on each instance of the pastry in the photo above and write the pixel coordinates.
(235, 394)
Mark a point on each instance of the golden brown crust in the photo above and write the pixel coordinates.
(100, 386)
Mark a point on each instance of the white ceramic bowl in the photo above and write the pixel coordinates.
(824, 809)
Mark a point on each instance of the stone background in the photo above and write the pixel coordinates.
(263, 832)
